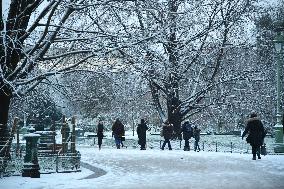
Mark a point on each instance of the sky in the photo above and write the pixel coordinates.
(5, 7)
(130, 168)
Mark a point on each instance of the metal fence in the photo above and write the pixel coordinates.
(237, 146)
(48, 164)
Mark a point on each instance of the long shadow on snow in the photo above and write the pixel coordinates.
(97, 171)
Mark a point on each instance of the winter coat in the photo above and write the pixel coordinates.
(100, 131)
(141, 132)
(196, 134)
(255, 130)
(118, 129)
(187, 131)
(168, 131)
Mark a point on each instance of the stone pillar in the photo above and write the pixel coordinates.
(73, 147)
(278, 145)
(65, 131)
(31, 166)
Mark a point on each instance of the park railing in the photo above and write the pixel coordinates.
(52, 163)
(235, 146)
(50, 157)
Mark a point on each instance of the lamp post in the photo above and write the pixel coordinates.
(278, 128)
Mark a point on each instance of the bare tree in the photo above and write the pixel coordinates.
(184, 50)
(38, 39)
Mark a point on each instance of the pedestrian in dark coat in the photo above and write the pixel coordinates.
(167, 132)
(187, 133)
(100, 134)
(196, 135)
(256, 134)
(141, 132)
(118, 132)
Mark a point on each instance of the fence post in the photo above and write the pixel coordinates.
(56, 164)
(63, 133)
(203, 146)
(231, 147)
(53, 137)
(216, 146)
(179, 143)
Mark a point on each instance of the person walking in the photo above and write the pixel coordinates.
(167, 132)
(122, 138)
(196, 135)
(141, 132)
(187, 133)
(256, 134)
(100, 134)
(118, 132)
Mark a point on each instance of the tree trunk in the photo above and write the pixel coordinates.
(173, 102)
(174, 115)
(5, 98)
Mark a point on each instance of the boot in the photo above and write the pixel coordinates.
(254, 157)
(258, 155)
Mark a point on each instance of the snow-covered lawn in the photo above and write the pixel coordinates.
(153, 168)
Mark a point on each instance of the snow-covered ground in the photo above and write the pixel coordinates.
(154, 168)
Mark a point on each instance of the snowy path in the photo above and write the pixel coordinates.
(97, 171)
(156, 169)
(132, 168)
